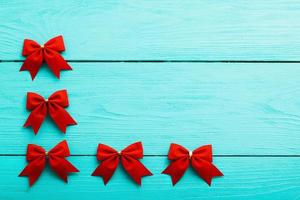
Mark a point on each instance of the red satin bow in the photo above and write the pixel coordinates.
(200, 158)
(49, 52)
(129, 157)
(37, 157)
(54, 105)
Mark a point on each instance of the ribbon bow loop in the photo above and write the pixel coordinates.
(104, 152)
(37, 158)
(204, 152)
(55, 44)
(134, 150)
(49, 52)
(33, 100)
(177, 151)
(60, 150)
(60, 97)
(200, 159)
(30, 47)
(129, 156)
(54, 106)
(34, 152)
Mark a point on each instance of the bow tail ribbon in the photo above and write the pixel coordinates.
(62, 167)
(36, 118)
(107, 168)
(34, 169)
(55, 62)
(206, 170)
(33, 63)
(176, 169)
(61, 117)
(135, 168)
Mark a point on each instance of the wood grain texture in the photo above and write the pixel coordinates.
(170, 29)
(239, 108)
(245, 178)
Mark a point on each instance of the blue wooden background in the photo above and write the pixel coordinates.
(193, 72)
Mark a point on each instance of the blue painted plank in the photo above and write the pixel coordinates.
(245, 178)
(239, 108)
(170, 29)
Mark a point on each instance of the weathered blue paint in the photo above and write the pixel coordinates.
(240, 108)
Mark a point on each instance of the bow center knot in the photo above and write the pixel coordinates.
(46, 100)
(190, 154)
(119, 153)
(42, 46)
(46, 153)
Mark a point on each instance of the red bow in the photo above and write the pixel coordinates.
(200, 158)
(54, 105)
(129, 157)
(49, 52)
(37, 157)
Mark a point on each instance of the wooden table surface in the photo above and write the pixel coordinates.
(195, 72)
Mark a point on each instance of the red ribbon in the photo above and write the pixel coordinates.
(55, 105)
(37, 158)
(200, 158)
(129, 157)
(49, 52)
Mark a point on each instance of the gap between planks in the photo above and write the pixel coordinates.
(170, 61)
